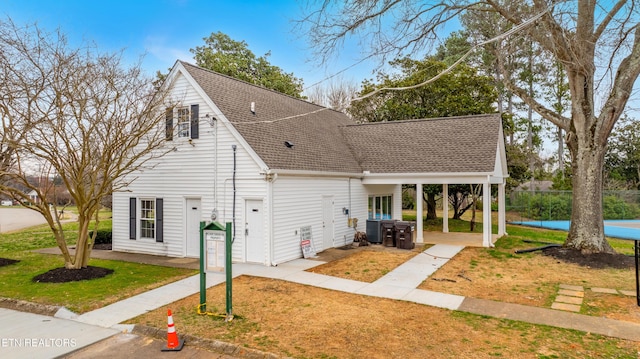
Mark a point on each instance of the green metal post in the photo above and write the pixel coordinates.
(203, 274)
(227, 266)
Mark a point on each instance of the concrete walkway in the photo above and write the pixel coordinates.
(399, 284)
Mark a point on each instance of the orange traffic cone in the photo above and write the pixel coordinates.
(173, 342)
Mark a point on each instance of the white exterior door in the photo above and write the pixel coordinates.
(327, 222)
(254, 232)
(192, 230)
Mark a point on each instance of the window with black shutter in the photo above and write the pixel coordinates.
(169, 124)
(195, 109)
(159, 220)
(132, 217)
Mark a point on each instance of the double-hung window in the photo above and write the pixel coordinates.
(147, 218)
(184, 122)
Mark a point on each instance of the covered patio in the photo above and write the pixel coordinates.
(443, 151)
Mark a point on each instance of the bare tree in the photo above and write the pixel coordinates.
(72, 117)
(596, 42)
(335, 94)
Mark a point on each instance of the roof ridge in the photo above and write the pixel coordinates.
(254, 85)
(427, 119)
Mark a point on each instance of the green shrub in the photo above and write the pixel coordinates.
(614, 207)
(102, 236)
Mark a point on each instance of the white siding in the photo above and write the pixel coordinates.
(297, 202)
(191, 171)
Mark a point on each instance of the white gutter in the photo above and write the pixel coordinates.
(308, 173)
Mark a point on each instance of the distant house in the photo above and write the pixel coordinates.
(33, 196)
(277, 166)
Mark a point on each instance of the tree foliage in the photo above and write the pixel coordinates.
(75, 118)
(233, 58)
(460, 92)
(622, 162)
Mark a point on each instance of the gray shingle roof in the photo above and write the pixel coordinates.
(317, 137)
(452, 144)
(329, 141)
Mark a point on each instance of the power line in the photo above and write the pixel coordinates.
(447, 70)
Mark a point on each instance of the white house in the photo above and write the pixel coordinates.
(275, 165)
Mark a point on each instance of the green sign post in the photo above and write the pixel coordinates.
(215, 229)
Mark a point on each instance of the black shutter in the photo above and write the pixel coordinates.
(132, 218)
(159, 220)
(195, 115)
(169, 124)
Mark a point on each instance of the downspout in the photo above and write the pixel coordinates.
(234, 148)
(214, 212)
(271, 178)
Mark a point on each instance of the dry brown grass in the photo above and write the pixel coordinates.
(306, 322)
(300, 321)
(533, 279)
(366, 264)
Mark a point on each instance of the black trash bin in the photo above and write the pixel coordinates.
(373, 231)
(404, 235)
(388, 232)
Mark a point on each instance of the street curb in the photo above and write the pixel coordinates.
(29, 307)
(208, 344)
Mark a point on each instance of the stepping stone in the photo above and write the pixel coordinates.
(604, 290)
(572, 287)
(566, 307)
(629, 293)
(571, 293)
(568, 300)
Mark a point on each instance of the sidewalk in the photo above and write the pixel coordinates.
(399, 284)
(34, 336)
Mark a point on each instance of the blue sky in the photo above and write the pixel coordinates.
(165, 30)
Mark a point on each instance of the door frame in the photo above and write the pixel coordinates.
(331, 225)
(186, 225)
(244, 229)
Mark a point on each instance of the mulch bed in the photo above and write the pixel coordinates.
(7, 261)
(595, 260)
(63, 275)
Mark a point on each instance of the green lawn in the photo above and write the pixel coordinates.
(128, 278)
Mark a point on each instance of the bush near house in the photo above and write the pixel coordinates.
(102, 236)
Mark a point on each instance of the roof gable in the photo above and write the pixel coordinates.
(323, 140)
(314, 131)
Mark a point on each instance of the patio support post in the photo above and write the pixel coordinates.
(419, 211)
(486, 215)
(502, 230)
(445, 208)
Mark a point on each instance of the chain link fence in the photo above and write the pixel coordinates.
(556, 205)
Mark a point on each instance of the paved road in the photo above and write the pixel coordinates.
(136, 346)
(13, 219)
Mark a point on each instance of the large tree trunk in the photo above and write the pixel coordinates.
(431, 206)
(586, 232)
